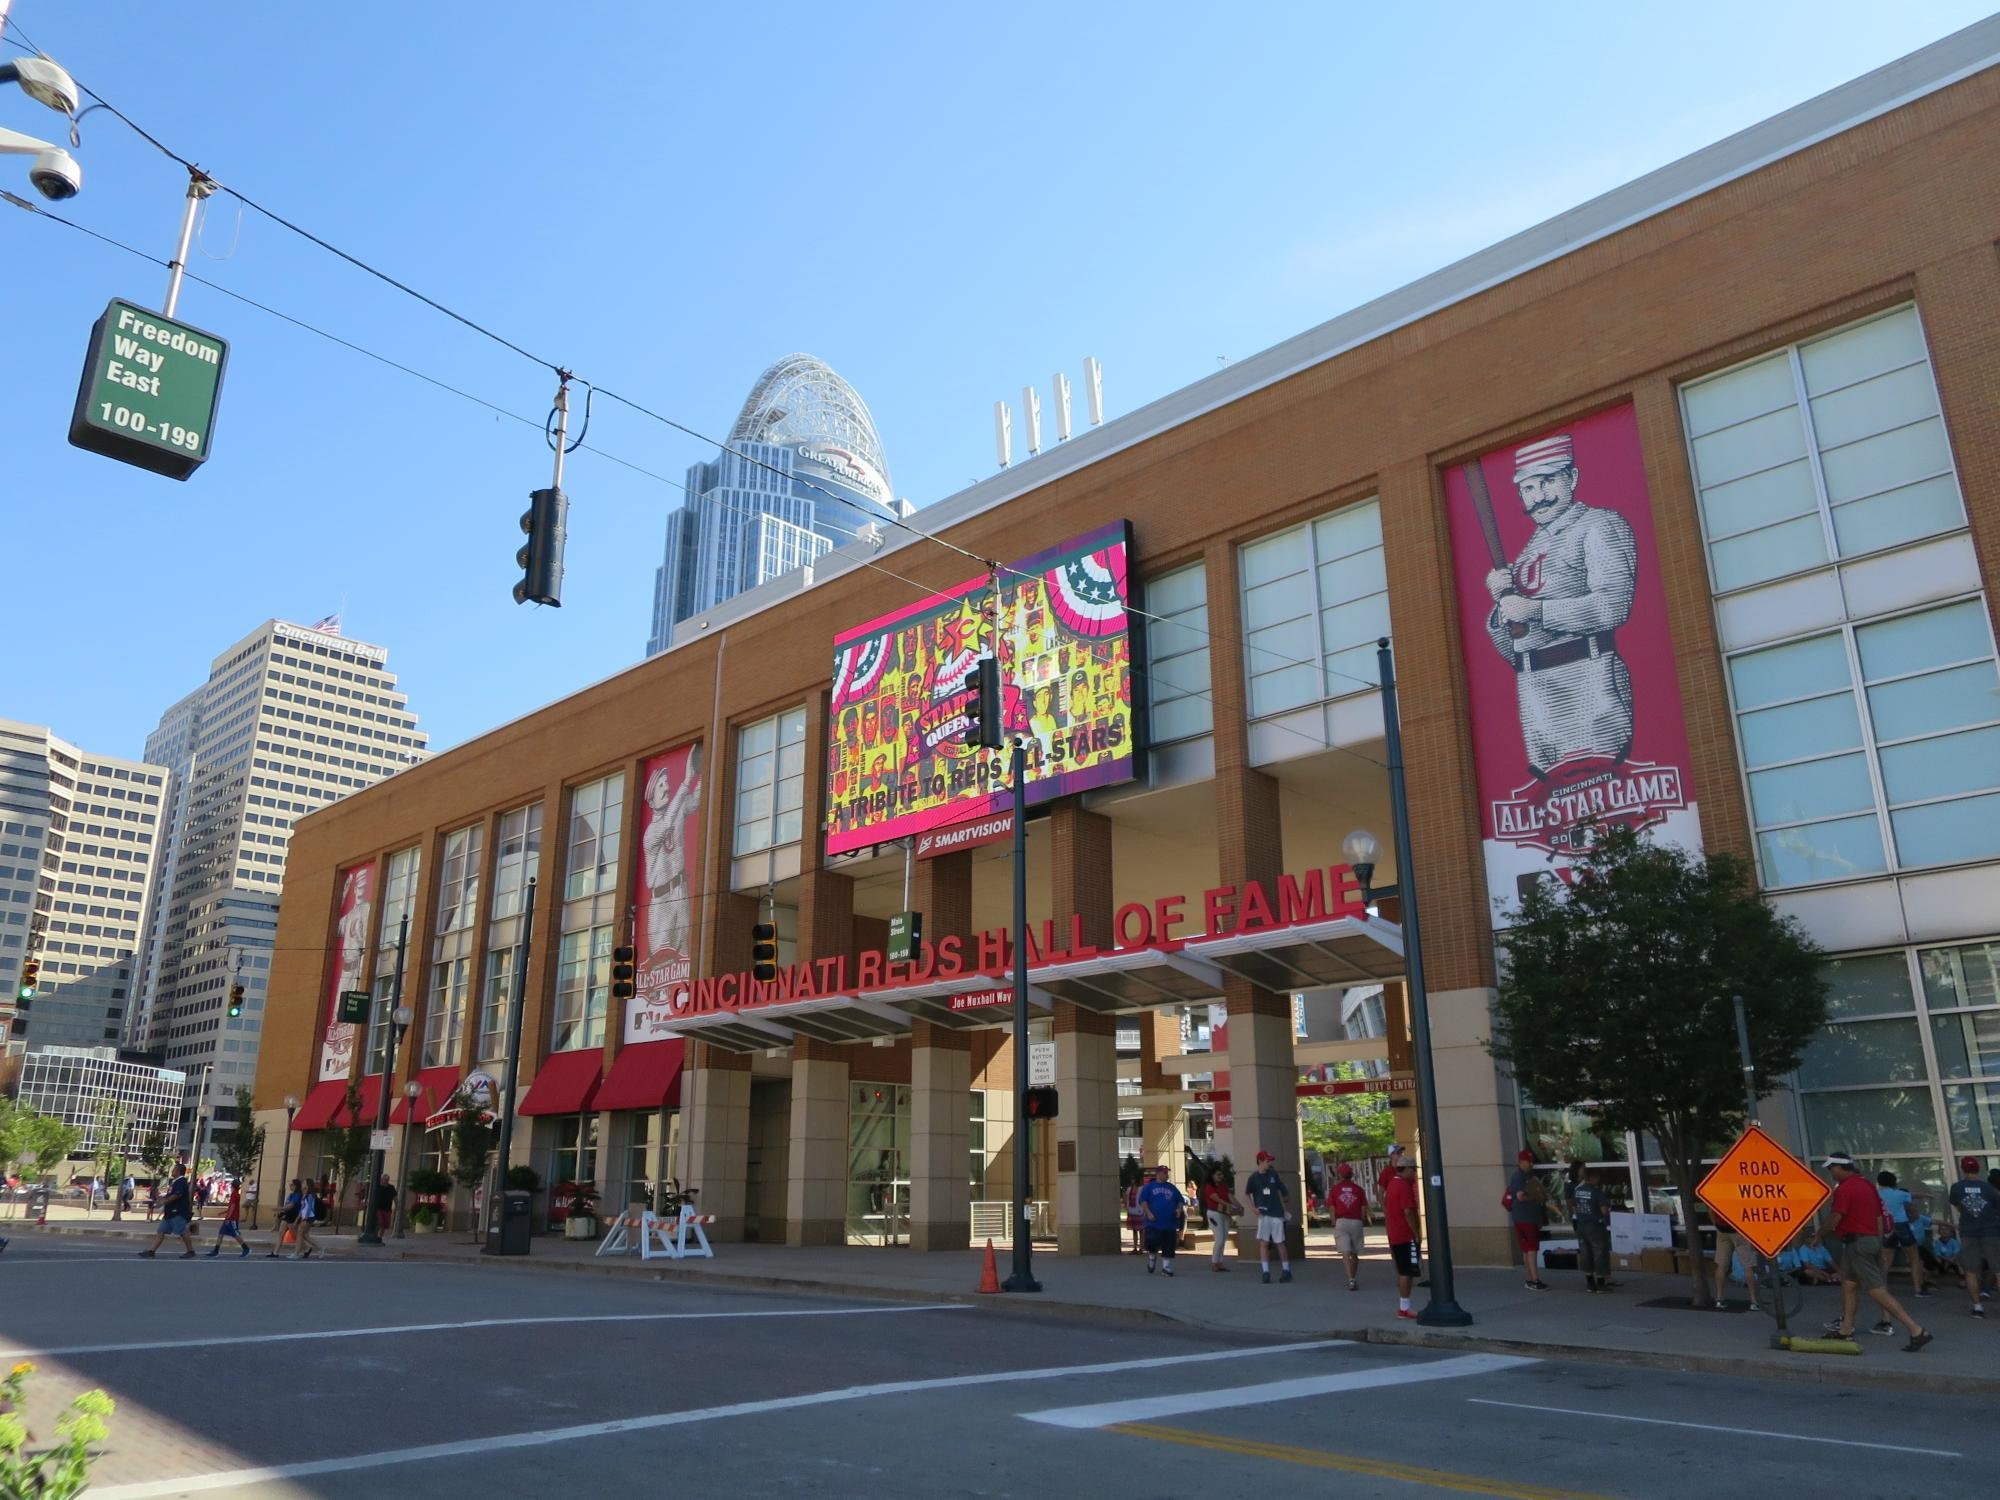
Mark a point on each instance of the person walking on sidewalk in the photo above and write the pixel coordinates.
(1266, 1191)
(1857, 1224)
(1220, 1207)
(1350, 1222)
(1728, 1246)
(1163, 1207)
(1902, 1235)
(231, 1227)
(1399, 1216)
(1590, 1213)
(1978, 1210)
(176, 1212)
(311, 1207)
(1527, 1205)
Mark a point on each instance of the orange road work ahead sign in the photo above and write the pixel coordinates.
(1763, 1190)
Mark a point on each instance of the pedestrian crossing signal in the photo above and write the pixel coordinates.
(623, 975)
(1040, 1103)
(235, 1001)
(31, 980)
(764, 952)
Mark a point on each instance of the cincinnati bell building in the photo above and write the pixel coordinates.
(1681, 510)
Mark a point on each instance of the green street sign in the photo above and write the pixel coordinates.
(149, 391)
(906, 936)
(354, 1007)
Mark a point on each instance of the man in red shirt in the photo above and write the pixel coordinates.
(1857, 1225)
(1399, 1215)
(1350, 1222)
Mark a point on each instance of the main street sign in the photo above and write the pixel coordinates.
(149, 391)
(1763, 1190)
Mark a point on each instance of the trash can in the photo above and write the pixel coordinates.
(508, 1235)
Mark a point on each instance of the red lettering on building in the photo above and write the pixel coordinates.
(1217, 902)
(1122, 930)
(1301, 901)
(1256, 908)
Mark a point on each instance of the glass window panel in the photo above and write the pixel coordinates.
(1750, 391)
(1363, 620)
(792, 760)
(1181, 719)
(1757, 556)
(1182, 589)
(756, 739)
(1759, 500)
(1171, 638)
(1883, 463)
(1817, 789)
(1289, 687)
(1865, 1052)
(1935, 701)
(1282, 645)
(1352, 577)
(1945, 833)
(1180, 676)
(1860, 351)
(1822, 851)
(1967, 975)
(1795, 671)
(1357, 669)
(1274, 557)
(1915, 510)
(787, 827)
(1894, 399)
(1800, 729)
(1967, 1044)
(1942, 767)
(1868, 984)
(753, 804)
(1910, 643)
(1272, 604)
(1760, 443)
(1972, 1115)
(1569, 1135)
(1872, 1122)
(1353, 529)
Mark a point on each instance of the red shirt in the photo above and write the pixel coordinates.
(1857, 1207)
(235, 1209)
(1384, 1177)
(1215, 1195)
(1349, 1202)
(1399, 1201)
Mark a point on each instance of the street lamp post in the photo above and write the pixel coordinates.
(285, 1164)
(399, 1022)
(410, 1092)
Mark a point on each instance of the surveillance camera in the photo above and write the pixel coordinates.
(56, 174)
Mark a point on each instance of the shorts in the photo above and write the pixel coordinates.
(1161, 1241)
(1527, 1237)
(178, 1224)
(1347, 1236)
(1861, 1262)
(1270, 1229)
(1901, 1237)
(1977, 1255)
(227, 1230)
(1404, 1256)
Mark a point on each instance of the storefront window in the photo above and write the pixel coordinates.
(878, 1173)
(976, 1113)
(573, 1158)
(1177, 682)
(1872, 1122)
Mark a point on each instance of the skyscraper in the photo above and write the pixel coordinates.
(763, 507)
(290, 719)
(79, 839)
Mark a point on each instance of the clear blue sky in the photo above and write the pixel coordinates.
(943, 202)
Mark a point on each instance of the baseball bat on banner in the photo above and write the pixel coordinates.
(1482, 505)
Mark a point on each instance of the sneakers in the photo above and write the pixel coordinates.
(1167, 1269)
(1217, 1265)
(213, 1253)
(1267, 1277)
(187, 1255)
(1917, 1341)
(1286, 1274)
(1977, 1310)
(1832, 1326)
(1406, 1314)
(246, 1253)
(1885, 1328)
(1152, 1264)
(1543, 1286)
(145, 1255)
(1352, 1284)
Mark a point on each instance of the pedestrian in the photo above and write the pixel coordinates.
(1220, 1207)
(231, 1227)
(1978, 1210)
(1267, 1194)
(1902, 1236)
(1527, 1205)
(1726, 1250)
(128, 1193)
(200, 1199)
(288, 1218)
(1857, 1223)
(250, 1202)
(176, 1213)
(1388, 1173)
(1809, 1262)
(1134, 1220)
(1590, 1214)
(1399, 1217)
(1164, 1209)
(1350, 1222)
(385, 1204)
(312, 1208)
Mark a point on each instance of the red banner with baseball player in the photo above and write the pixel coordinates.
(1576, 709)
(896, 761)
(352, 915)
(663, 892)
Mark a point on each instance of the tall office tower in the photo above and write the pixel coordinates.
(79, 840)
(291, 718)
(765, 505)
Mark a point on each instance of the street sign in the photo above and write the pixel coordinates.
(380, 1140)
(149, 391)
(1041, 1064)
(354, 1007)
(1325, 1090)
(979, 999)
(906, 936)
(1763, 1190)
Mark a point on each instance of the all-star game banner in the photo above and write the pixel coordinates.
(351, 933)
(663, 905)
(896, 764)
(1576, 709)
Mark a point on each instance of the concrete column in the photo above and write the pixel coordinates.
(1001, 1141)
(715, 1134)
(1163, 1126)
(940, 1137)
(816, 1185)
(1263, 1097)
(1087, 1213)
(1479, 1122)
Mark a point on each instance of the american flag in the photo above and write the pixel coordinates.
(330, 624)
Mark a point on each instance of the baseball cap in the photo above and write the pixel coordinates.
(1346, 1171)
(1396, 1148)
(1161, 1167)
(1968, 1164)
(1524, 1155)
(1265, 1156)
(1839, 1159)
(1407, 1163)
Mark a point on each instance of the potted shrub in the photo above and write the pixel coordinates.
(423, 1219)
(429, 1191)
(578, 1201)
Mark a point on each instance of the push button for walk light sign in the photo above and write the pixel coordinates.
(1767, 1193)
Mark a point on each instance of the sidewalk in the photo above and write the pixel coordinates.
(1562, 1323)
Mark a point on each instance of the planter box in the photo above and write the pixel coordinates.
(580, 1227)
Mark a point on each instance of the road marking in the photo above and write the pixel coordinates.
(228, 1479)
(1317, 1458)
(1790, 1437)
(1139, 1409)
(300, 1336)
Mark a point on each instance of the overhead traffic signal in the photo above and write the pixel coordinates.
(982, 705)
(546, 521)
(623, 976)
(31, 980)
(764, 952)
(1039, 1103)
(235, 1001)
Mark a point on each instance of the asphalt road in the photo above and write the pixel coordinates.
(355, 1378)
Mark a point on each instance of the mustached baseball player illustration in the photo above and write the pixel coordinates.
(1556, 612)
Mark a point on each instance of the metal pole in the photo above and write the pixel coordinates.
(403, 1168)
(199, 187)
(1023, 1278)
(284, 1180)
(1750, 1118)
(377, 1157)
(506, 1100)
(1443, 1309)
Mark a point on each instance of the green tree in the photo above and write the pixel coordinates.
(111, 1134)
(471, 1147)
(50, 1140)
(1615, 997)
(243, 1147)
(347, 1149)
(1343, 1125)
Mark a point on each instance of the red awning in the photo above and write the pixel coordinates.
(370, 1091)
(319, 1104)
(645, 1075)
(434, 1087)
(566, 1084)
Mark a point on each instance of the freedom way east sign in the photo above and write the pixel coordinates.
(149, 391)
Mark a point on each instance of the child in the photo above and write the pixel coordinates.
(231, 1228)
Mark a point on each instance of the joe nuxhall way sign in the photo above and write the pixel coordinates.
(1767, 1193)
(149, 390)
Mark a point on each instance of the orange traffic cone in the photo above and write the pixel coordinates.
(989, 1279)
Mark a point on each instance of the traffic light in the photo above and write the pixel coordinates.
(764, 952)
(546, 521)
(1040, 1103)
(623, 975)
(235, 1001)
(31, 979)
(982, 705)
